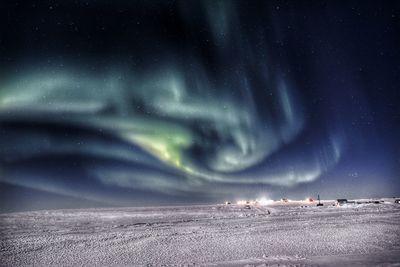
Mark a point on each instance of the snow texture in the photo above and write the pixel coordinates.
(293, 234)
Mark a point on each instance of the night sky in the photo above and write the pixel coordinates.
(131, 103)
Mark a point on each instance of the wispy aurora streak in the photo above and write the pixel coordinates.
(192, 133)
(176, 126)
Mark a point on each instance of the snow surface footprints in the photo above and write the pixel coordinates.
(213, 235)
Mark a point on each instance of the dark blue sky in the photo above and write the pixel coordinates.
(164, 102)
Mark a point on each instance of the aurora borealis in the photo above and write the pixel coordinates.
(154, 102)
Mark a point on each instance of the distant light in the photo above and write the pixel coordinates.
(265, 201)
(309, 199)
(242, 202)
(262, 201)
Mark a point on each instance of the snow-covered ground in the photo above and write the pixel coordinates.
(216, 235)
